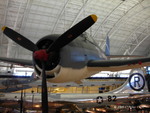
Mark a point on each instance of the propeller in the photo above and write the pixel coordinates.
(44, 90)
(19, 39)
(44, 54)
(73, 33)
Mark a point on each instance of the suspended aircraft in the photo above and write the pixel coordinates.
(68, 57)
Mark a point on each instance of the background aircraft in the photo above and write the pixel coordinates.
(13, 83)
(125, 96)
(68, 57)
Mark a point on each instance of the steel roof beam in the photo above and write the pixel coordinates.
(24, 18)
(106, 19)
(26, 12)
(10, 42)
(59, 16)
(123, 19)
(133, 36)
(81, 10)
(4, 20)
(138, 41)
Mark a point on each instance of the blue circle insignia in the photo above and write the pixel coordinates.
(136, 81)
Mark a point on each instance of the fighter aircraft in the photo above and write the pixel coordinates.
(131, 94)
(68, 57)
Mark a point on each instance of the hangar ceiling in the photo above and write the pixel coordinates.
(126, 22)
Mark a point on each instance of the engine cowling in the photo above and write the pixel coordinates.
(51, 65)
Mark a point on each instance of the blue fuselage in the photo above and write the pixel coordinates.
(79, 52)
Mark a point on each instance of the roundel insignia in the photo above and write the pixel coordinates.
(136, 81)
(99, 99)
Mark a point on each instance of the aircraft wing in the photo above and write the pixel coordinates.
(124, 56)
(12, 89)
(21, 62)
(118, 65)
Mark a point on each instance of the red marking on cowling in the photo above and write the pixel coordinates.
(140, 63)
(129, 64)
(70, 36)
(19, 38)
(41, 55)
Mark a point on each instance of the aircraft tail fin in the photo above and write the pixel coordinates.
(107, 48)
(107, 52)
(136, 83)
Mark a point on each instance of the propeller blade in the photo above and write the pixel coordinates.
(19, 39)
(44, 90)
(73, 33)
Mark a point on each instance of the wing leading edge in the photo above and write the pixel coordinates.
(118, 65)
(102, 65)
(21, 62)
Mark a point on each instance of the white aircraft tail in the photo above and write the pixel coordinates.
(136, 83)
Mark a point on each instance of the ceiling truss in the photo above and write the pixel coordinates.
(126, 22)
